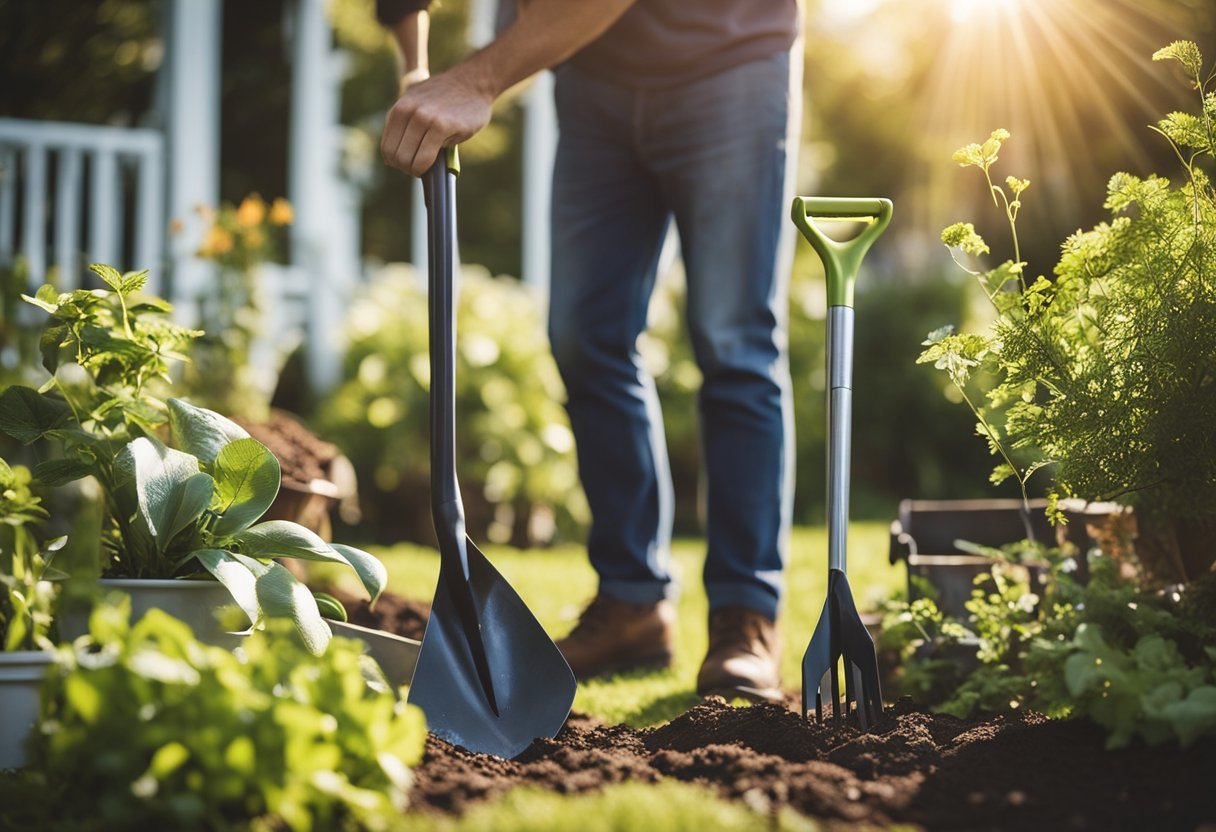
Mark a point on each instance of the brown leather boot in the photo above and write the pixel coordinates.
(612, 636)
(743, 656)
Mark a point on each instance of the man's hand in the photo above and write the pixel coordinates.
(433, 114)
(450, 107)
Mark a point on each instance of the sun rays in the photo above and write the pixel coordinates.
(1072, 80)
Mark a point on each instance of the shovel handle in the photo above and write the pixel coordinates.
(841, 260)
(439, 186)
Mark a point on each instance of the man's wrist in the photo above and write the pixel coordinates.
(413, 76)
(481, 73)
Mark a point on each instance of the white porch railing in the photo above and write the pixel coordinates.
(68, 193)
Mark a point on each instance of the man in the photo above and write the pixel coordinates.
(668, 109)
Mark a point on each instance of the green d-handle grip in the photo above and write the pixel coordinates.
(841, 260)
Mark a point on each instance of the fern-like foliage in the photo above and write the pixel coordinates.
(1106, 372)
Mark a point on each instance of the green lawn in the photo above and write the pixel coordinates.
(556, 583)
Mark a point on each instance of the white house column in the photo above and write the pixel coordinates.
(193, 111)
(325, 233)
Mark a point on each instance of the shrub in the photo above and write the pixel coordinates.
(514, 448)
(147, 728)
(27, 594)
(1138, 663)
(1106, 374)
(169, 512)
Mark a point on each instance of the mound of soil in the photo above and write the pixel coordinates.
(1000, 772)
(1020, 772)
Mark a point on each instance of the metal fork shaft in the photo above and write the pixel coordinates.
(840, 430)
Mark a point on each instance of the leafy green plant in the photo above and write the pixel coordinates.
(1136, 662)
(515, 451)
(27, 591)
(146, 727)
(1150, 691)
(1106, 374)
(171, 509)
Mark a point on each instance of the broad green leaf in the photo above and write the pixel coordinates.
(48, 345)
(133, 282)
(48, 294)
(18, 623)
(168, 759)
(46, 304)
(247, 480)
(241, 756)
(27, 416)
(329, 606)
(171, 490)
(235, 577)
(108, 274)
(281, 595)
(83, 697)
(202, 432)
(1194, 716)
(285, 539)
(151, 304)
(369, 568)
(156, 665)
(57, 472)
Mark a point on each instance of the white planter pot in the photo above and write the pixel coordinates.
(21, 674)
(194, 602)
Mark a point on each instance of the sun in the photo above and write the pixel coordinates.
(1058, 74)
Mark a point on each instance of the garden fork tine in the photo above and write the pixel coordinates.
(840, 637)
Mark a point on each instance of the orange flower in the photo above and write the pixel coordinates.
(218, 241)
(281, 213)
(251, 212)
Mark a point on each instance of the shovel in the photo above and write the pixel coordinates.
(488, 677)
(840, 634)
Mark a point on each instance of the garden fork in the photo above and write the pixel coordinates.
(841, 637)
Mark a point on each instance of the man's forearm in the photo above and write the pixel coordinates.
(545, 33)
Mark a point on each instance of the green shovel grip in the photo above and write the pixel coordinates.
(453, 158)
(841, 260)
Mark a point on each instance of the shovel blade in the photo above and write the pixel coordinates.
(532, 685)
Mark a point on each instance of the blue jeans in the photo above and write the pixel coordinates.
(715, 155)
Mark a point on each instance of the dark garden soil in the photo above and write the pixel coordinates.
(1010, 772)
(393, 613)
(1019, 772)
